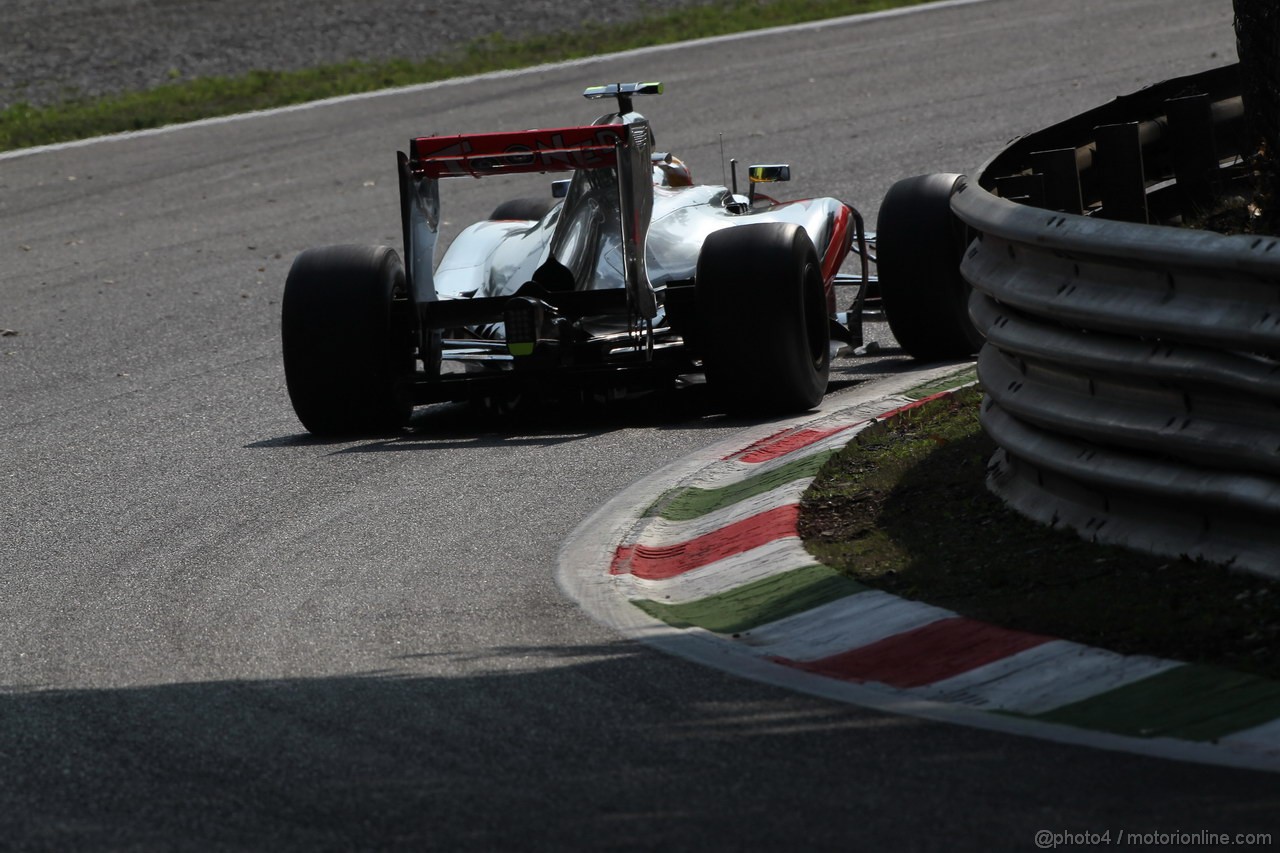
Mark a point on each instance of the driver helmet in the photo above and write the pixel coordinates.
(674, 173)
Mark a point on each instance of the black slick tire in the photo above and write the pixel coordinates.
(347, 331)
(919, 246)
(765, 338)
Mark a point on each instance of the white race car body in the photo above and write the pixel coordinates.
(496, 257)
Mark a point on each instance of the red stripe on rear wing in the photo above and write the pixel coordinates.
(481, 154)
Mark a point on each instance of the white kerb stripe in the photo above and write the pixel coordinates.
(1046, 677)
(841, 626)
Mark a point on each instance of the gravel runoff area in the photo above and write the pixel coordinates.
(52, 50)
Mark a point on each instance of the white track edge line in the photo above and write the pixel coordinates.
(848, 20)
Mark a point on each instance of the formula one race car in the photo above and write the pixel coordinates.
(628, 276)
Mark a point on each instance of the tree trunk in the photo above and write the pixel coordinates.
(1258, 44)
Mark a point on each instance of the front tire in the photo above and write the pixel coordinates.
(347, 331)
(765, 336)
(919, 246)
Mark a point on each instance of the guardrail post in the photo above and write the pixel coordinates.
(1120, 176)
(1061, 174)
(1023, 189)
(1195, 158)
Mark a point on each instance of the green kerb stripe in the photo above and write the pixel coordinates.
(1191, 702)
(944, 384)
(758, 602)
(684, 504)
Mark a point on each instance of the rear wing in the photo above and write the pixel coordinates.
(550, 150)
(621, 143)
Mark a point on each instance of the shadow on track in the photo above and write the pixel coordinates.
(539, 422)
(573, 748)
(556, 420)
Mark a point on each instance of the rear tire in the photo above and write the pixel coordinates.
(765, 336)
(919, 246)
(348, 334)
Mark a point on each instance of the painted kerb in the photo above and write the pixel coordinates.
(713, 569)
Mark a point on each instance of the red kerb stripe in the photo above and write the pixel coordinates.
(783, 443)
(925, 655)
(668, 561)
(884, 416)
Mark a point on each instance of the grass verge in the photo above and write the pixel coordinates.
(23, 125)
(904, 508)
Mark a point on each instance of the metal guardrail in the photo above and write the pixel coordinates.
(1132, 370)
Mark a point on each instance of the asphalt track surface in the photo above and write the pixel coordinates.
(218, 633)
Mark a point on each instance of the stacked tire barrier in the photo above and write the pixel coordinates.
(1132, 369)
